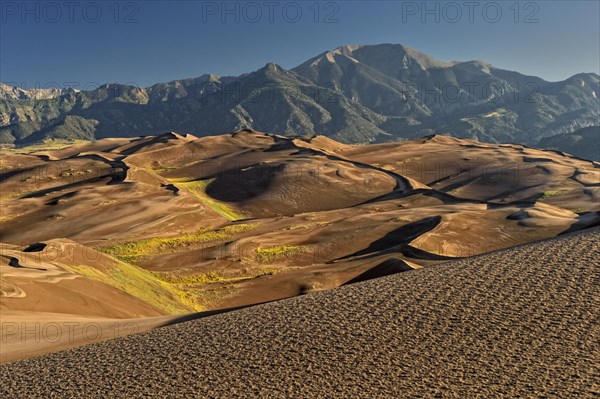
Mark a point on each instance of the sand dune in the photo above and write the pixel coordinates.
(175, 224)
(516, 323)
(469, 169)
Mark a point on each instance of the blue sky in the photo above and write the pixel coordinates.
(45, 44)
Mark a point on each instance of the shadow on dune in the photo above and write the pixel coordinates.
(395, 240)
(446, 198)
(11, 173)
(57, 200)
(584, 221)
(385, 268)
(171, 187)
(64, 187)
(200, 315)
(35, 247)
(145, 142)
(239, 185)
(416, 253)
(14, 262)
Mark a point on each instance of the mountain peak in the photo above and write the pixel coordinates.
(10, 92)
(475, 66)
(386, 58)
(347, 49)
(270, 66)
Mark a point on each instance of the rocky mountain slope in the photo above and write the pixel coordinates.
(584, 143)
(354, 94)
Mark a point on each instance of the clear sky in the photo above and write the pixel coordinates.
(84, 44)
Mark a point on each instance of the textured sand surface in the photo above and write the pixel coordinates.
(516, 323)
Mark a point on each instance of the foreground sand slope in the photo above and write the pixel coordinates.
(27, 334)
(61, 294)
(516, 323)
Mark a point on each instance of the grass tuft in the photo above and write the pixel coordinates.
(271, 254)
(137, 251)
(549, 194)
(194, 279)
(143, 285)
(198, 189)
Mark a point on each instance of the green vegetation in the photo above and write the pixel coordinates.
(168, 291)
(164, 169)
(176, 180)
(15, 194)
(193, 279)
(549, 194)
(137, 251)
(198, 188)
(207, 288)
(10, 217)
(144, 285)
(271, 254)
(212, 277)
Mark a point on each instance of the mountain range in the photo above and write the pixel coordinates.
(354, 94)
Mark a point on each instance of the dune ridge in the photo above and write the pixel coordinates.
(174, 224)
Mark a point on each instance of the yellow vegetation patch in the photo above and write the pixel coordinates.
(136, 251)
(193, 279)
(15, 194)
(206, 288)
(10, 217)
(198, 189)
(212, 277)
(549, 194)
(271, 254)
(144, 285)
